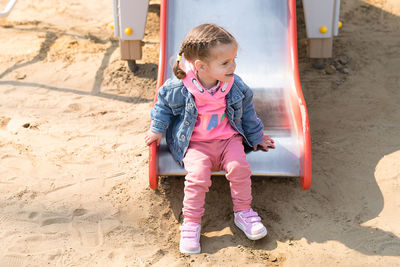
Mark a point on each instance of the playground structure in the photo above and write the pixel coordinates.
(267, 62)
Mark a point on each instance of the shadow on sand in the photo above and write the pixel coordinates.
(50, 39)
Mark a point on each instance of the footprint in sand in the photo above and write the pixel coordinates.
(90, 232)
(73, 107)
(33, 215)
(79, 212)
(13, 261)
(58, 220)
(25, 246)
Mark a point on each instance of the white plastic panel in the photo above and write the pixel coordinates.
(319, 13)
(132, 14)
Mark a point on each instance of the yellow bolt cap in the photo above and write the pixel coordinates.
(323, 29)
(111, 25)
(340, 24)
(128, 31)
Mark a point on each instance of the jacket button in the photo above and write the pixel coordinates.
(187, 123)
(191, 105)
(183, 137)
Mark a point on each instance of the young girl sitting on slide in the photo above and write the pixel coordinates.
(207, 113)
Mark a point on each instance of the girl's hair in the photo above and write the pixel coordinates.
(198, 43)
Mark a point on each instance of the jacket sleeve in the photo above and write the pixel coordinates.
(252, 126)
(161, 114)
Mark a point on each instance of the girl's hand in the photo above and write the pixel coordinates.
(151, 137)
(265, 144)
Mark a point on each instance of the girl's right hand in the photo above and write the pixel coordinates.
(265, 144)
(151, 137)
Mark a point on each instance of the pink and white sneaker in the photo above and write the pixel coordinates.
(190, 238)
(250, 223)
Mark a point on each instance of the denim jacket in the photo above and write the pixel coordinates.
(175, 114)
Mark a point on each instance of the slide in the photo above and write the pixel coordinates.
(266, 61)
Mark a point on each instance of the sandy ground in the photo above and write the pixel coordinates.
(73, 170)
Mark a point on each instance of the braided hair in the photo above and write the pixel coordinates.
(198, 43)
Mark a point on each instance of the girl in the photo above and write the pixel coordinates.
(207, 113)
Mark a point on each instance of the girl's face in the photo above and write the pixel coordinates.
(219, 67)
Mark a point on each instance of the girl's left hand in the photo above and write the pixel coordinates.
(265, 144)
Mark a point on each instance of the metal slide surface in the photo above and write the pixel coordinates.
(267, 62)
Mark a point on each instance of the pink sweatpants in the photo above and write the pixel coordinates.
(203, 157)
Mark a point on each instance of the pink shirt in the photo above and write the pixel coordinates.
(211, 122)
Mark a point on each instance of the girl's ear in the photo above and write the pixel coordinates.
(199, 64)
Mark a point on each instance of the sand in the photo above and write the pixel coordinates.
(74, 166)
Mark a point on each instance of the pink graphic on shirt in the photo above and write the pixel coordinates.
(210, 121)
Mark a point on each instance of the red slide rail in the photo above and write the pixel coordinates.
(298, 103)
(297, 100)
(153, 164)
